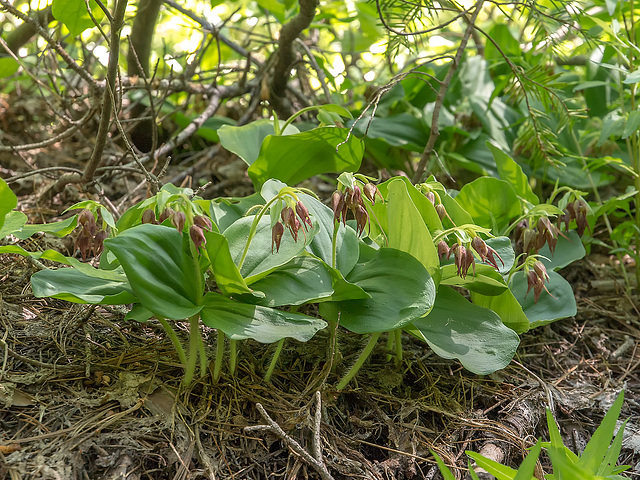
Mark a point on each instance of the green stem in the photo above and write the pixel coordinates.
(334, 241)
(360, 361)
(219, 354)
(192, 358)
(254, 227)
(296, 115)
(274, 360)
(233, 356)
(390, 339)
(204, 361)
(398, 335)
(174, 339)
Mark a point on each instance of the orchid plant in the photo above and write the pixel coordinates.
(383, 258)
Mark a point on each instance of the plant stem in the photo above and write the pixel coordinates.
(334, 241)
(192, 358)
(398, 336)
(219, 354)
(204, 361)
(360, 361)
(174, 339)
(254, 227)
(274, 360)
(233, 356)
(390, 342)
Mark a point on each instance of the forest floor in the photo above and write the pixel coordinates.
(86, 395)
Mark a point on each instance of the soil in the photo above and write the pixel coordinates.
(86, 395)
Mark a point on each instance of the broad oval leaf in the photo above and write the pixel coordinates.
(74, 15)
(568, 249)
(246, 140)
(294, 158)
(260, 260)
(486, 280)
(511, 172)
(558, 303)
(225, 271)
(72, 285)
(491, 202)
(163, 277)
(507, 307)
(401, 290)
(240, 321)
(456, 328)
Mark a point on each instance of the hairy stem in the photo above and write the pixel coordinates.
(233, 356)
(192, 358)
(219, 354)
(174, 339)
(398, 344)
(274, 360)
(360, 361)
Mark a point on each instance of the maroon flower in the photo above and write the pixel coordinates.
(166, 213)
(303, 213)
(362, 218)
(276, 236)
(371, 191)
(443, 249)
(98, 242)
(149, 216)
(203, 222)
(431, 197)
(197, 236)
(178, 219)
(339, 206)
(441, 211)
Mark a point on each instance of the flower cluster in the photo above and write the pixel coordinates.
(351, 199)
(530, 239)
(90, 238)
(292, 219)
(536, 279)
(440, 208)
(575, 211)
(178, 220)
(464, 257)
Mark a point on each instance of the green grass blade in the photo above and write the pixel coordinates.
(501, 472)
(596, 449)
(528, 465)
(444, 470)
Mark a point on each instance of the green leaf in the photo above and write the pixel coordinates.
(502, 245)
(633, 77)
(491, 202)
(456, 328)
(400, 287)
(321, 245)
(8, 201)
(594, 453)
(301, 280)
(59, 229)
(406, 230)
(404, 130)
(246, 140)
(138, 313)
(225, 271)
(528, 466)
(548, 308)
(567, 251)
(240, 321)
(260, 260)
(74, 15)
(8, 66)
(507, 307)
(75, 286)
(632, 124)
(486, 280)
(339, 109)
(294, 158)
(501, 472)
(163, 277)
(444, 470)
(13, 222)
(511, 172)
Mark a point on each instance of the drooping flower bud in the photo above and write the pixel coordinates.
(541, 271)
(362, 218)
(203, 222)
(148, 216)
(85, 217)
(166, 213)
(469, 261)
(178, 219)
(276, 236)
(443, 249)
(197, 236)
(431, 197)
(371, 191)
(480, 246)
(98, 242)
(441, 211)
(581, 216)
(303, 213)
(339, 207)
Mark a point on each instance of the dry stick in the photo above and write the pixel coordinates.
(435, 132)
(316, 463)
(316, 67)
(54, 44)
(107, 102)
